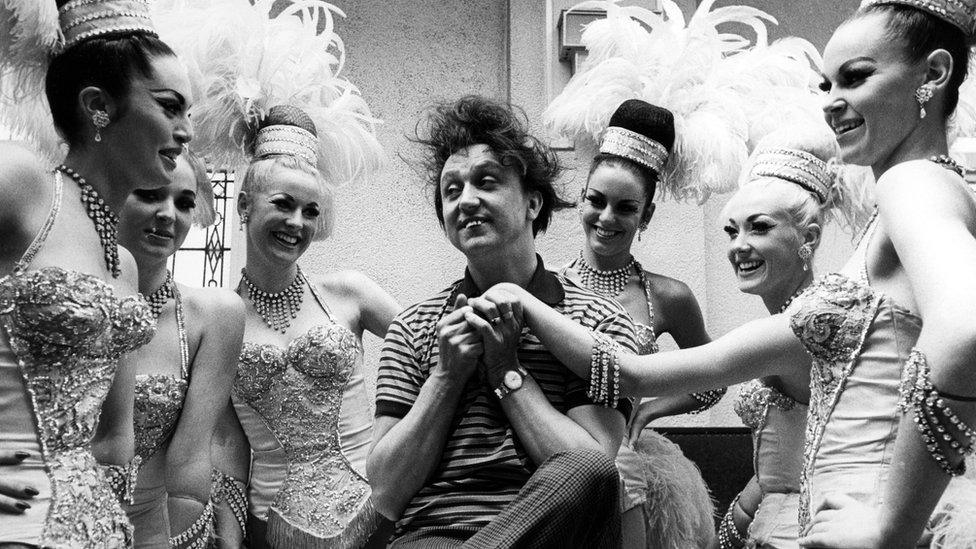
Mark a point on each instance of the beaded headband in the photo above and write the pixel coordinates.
(800, 167)
(288, 140)
(634, 146)
(84, 19)
(960, 13)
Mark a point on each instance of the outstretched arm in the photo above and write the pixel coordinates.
(761, 347)
(930, 220)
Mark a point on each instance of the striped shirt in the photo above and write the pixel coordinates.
(484, 465)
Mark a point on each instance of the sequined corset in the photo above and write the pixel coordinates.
(67, 331)
(298, 393)
(777, 422)
(831, 319)
(646, 340)
(159, 399)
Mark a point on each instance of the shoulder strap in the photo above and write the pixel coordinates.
(35, 245)
(319, 299)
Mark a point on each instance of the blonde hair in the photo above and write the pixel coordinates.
(204, 214)
(259, 176)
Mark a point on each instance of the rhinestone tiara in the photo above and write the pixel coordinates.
(84, 19)
(634, 146)
(961, 13)
(288, 140)
(800, 167)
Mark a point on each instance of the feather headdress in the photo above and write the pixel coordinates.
(796, 155)
(247, 59)
(717, 87)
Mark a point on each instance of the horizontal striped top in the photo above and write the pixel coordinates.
(484, 465)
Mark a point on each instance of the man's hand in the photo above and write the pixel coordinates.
(459, 344)
(497, 316)
(842, 522)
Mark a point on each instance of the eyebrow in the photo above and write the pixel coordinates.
(846, 65)
(179, 96)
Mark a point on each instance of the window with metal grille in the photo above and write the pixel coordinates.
(203, 260)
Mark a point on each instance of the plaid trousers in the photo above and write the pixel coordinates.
(570, 501)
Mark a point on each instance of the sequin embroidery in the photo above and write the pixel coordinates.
(158, 401)
(831, 319)
(754, 401)
(68, 330)
(298, 392)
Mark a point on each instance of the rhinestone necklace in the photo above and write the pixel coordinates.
(106, 222)
(949, 163)
(158, 298)
(278, 309)
(790, 299)
(606, 283)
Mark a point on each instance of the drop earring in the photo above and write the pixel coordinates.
(640, 230)
(922, 95)
(805, 252)
(100, 120)
(243, 220)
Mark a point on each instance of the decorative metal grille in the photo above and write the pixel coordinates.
(202, 260)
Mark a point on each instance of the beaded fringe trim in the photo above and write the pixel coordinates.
(920, 397)
(282, 533)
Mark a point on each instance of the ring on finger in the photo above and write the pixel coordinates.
(495, 321)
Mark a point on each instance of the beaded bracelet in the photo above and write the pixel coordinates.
(923, 399)
(232, 491)
(122, 478)
(707, 399)
(197, 536)
(604, 371)
(728, 535)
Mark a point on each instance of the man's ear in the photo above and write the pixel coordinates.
(535, 205)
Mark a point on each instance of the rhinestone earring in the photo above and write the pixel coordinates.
(640, 230)
(100, 120)
(805, 252)
(243, 220)
(922, 95)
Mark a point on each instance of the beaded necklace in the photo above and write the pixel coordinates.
(606, 283)
(790, 299)
(158, 298)
(106, 222)
(277, 309)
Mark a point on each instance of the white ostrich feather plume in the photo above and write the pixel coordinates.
(724, 90)
(245, 60)
(29, 35)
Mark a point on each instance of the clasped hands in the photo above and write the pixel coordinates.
(480, 335)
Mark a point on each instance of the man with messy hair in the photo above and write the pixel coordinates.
(482, 437)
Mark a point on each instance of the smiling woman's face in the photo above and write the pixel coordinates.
(871, 103)
(763, 241)
(154, 222)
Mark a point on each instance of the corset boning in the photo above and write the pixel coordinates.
(858, 441)
(67, 331)
(298, 393)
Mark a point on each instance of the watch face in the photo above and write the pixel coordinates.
(513, 380)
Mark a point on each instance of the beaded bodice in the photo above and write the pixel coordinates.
(158, 402)
(298, 392)
(68, 330)
(777, 422)
(831, 319)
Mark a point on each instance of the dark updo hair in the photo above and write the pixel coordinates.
(651, 121)
(288, 115)
(475, 120)
(108, 62)
(922, 33)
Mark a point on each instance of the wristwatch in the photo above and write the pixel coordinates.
(512, 381)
